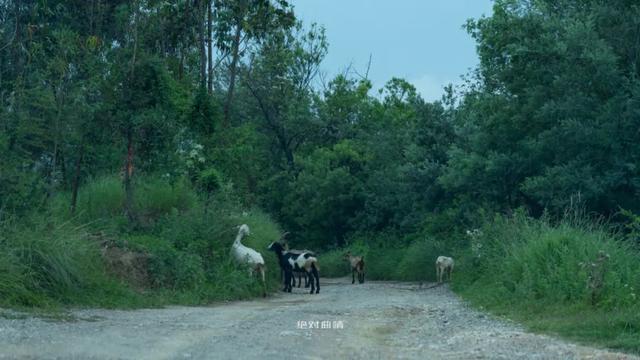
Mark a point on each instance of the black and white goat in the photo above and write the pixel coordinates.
(299, 272)
(290, 262)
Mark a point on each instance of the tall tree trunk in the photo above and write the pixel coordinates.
(76, 180)
(128, 168)
(201, 29)
(210, 50)
(233, 69)
(59, 95)
(63, 169)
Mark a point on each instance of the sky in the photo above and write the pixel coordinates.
(421, 41)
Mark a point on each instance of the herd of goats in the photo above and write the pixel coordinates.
(305, 263)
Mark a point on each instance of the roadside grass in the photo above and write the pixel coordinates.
(177, 253)
(541, 274)
(546, 276)
(47, 264)
(614, 329)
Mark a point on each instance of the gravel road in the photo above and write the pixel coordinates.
(379, 320)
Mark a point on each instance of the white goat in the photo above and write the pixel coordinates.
(444, 265)
(247, 256)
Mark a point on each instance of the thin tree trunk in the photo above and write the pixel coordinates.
(54, 161)
(203, 57)
(76, 180)
(63, 170)
(128, 170)
(232, 75)
(210, 50)
(182, 46)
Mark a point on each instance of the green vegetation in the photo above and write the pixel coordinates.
(130, 155)
(548, 277)
(176, 253)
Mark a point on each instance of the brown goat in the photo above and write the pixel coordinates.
(357, 266)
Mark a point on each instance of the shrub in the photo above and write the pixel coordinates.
(167, 266)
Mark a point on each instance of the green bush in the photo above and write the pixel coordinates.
(210, 180)
(167, 266)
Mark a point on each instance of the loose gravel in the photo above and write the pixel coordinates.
(375, 320)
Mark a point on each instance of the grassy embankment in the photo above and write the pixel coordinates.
(177, 252)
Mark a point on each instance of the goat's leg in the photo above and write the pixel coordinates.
(287, 281)
(315, 274)
(438, 274)
(299, 279)
(264, 282)
(307, 283)
(308, 272)
(284, 280)
(353, 276)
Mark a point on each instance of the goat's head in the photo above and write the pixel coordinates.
(275, 246)
(347, 255)
(244, 230)
(283, 240)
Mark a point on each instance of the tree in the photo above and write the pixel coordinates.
(279, 79)
(241, 22)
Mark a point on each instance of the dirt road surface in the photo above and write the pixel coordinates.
(376, 320)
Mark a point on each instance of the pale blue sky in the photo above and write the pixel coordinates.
(421, 41)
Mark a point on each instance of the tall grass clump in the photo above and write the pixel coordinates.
(561, 277)
(155, 196)
(44, 263)
(100, 198)
(523, 259)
